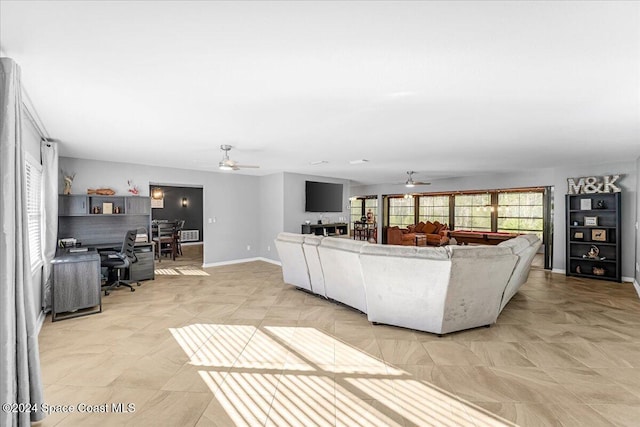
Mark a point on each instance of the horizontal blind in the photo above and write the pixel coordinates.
(34, 211)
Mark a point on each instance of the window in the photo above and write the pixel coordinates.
(434, 208)
(33, 178)
(371, 204)
(473, 212)
(401, 211)
(356, 210)
(521, 212)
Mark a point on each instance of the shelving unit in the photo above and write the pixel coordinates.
(80, 205)
(75, 217)
(578, 264)
(337, 229)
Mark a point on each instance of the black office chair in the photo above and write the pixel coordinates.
(118, 261)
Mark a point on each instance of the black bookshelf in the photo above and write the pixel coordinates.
(594, 220)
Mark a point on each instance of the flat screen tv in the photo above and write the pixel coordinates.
(323, 197)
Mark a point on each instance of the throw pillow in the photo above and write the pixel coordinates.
(430, 227)
(411, 228)
(420, 227)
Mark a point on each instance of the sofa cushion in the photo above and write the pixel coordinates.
(343, 244)
(429, 228)
(479, 251)
(517, 244)
(316, 276)
(411, 228)
(420, 227)
(291, 237)
(422, 252)
(532, 238)
(294, 265)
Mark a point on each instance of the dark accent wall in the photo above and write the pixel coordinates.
(173, 209)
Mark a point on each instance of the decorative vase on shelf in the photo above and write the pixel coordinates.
(68, 180)
(369, 216)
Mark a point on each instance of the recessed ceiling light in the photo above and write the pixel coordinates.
(318, 162)
(358, 162)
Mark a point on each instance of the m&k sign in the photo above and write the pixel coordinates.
(592, 184)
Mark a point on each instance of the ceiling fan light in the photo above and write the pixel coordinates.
(225, 167)
(409, 184)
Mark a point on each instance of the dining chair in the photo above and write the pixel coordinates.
(179, 227)
(165, 240)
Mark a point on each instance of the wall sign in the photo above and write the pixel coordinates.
(592, 184)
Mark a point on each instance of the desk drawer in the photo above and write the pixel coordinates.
(143, 269)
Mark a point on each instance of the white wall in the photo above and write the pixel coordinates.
(544, 177)
(637, 264)
(229, 198)
(271, 213)
(294, 200)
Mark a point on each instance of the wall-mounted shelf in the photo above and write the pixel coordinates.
(76, 220)
(81, 205)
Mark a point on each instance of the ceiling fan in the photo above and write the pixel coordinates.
(410, 183)
(226, 164)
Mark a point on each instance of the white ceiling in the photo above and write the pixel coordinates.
(443, 88)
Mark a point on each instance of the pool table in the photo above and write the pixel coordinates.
(464, 237)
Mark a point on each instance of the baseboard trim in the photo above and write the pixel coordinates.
(637, 286)
(624, 279)
(240, 261)
(271, 261)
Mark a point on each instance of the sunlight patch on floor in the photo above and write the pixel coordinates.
(285, 375)
(181, 271)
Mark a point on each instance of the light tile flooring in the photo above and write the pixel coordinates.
(233, 345)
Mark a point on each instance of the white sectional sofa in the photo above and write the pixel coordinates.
(439, 289)
(432, 289)
(294, 264)
(343, 281)
(316, 276)
(526, 247)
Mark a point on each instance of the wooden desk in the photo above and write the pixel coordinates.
(76, 284)
(143, 269)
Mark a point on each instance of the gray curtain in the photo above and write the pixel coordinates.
(49, 156)
(20, 380)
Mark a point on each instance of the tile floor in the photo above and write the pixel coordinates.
(233, 345)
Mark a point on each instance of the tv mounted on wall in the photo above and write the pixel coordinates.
(323, 197)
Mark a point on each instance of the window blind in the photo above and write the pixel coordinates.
(33, 180)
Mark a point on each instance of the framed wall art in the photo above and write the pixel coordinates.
(585, 204)
(599, 235)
